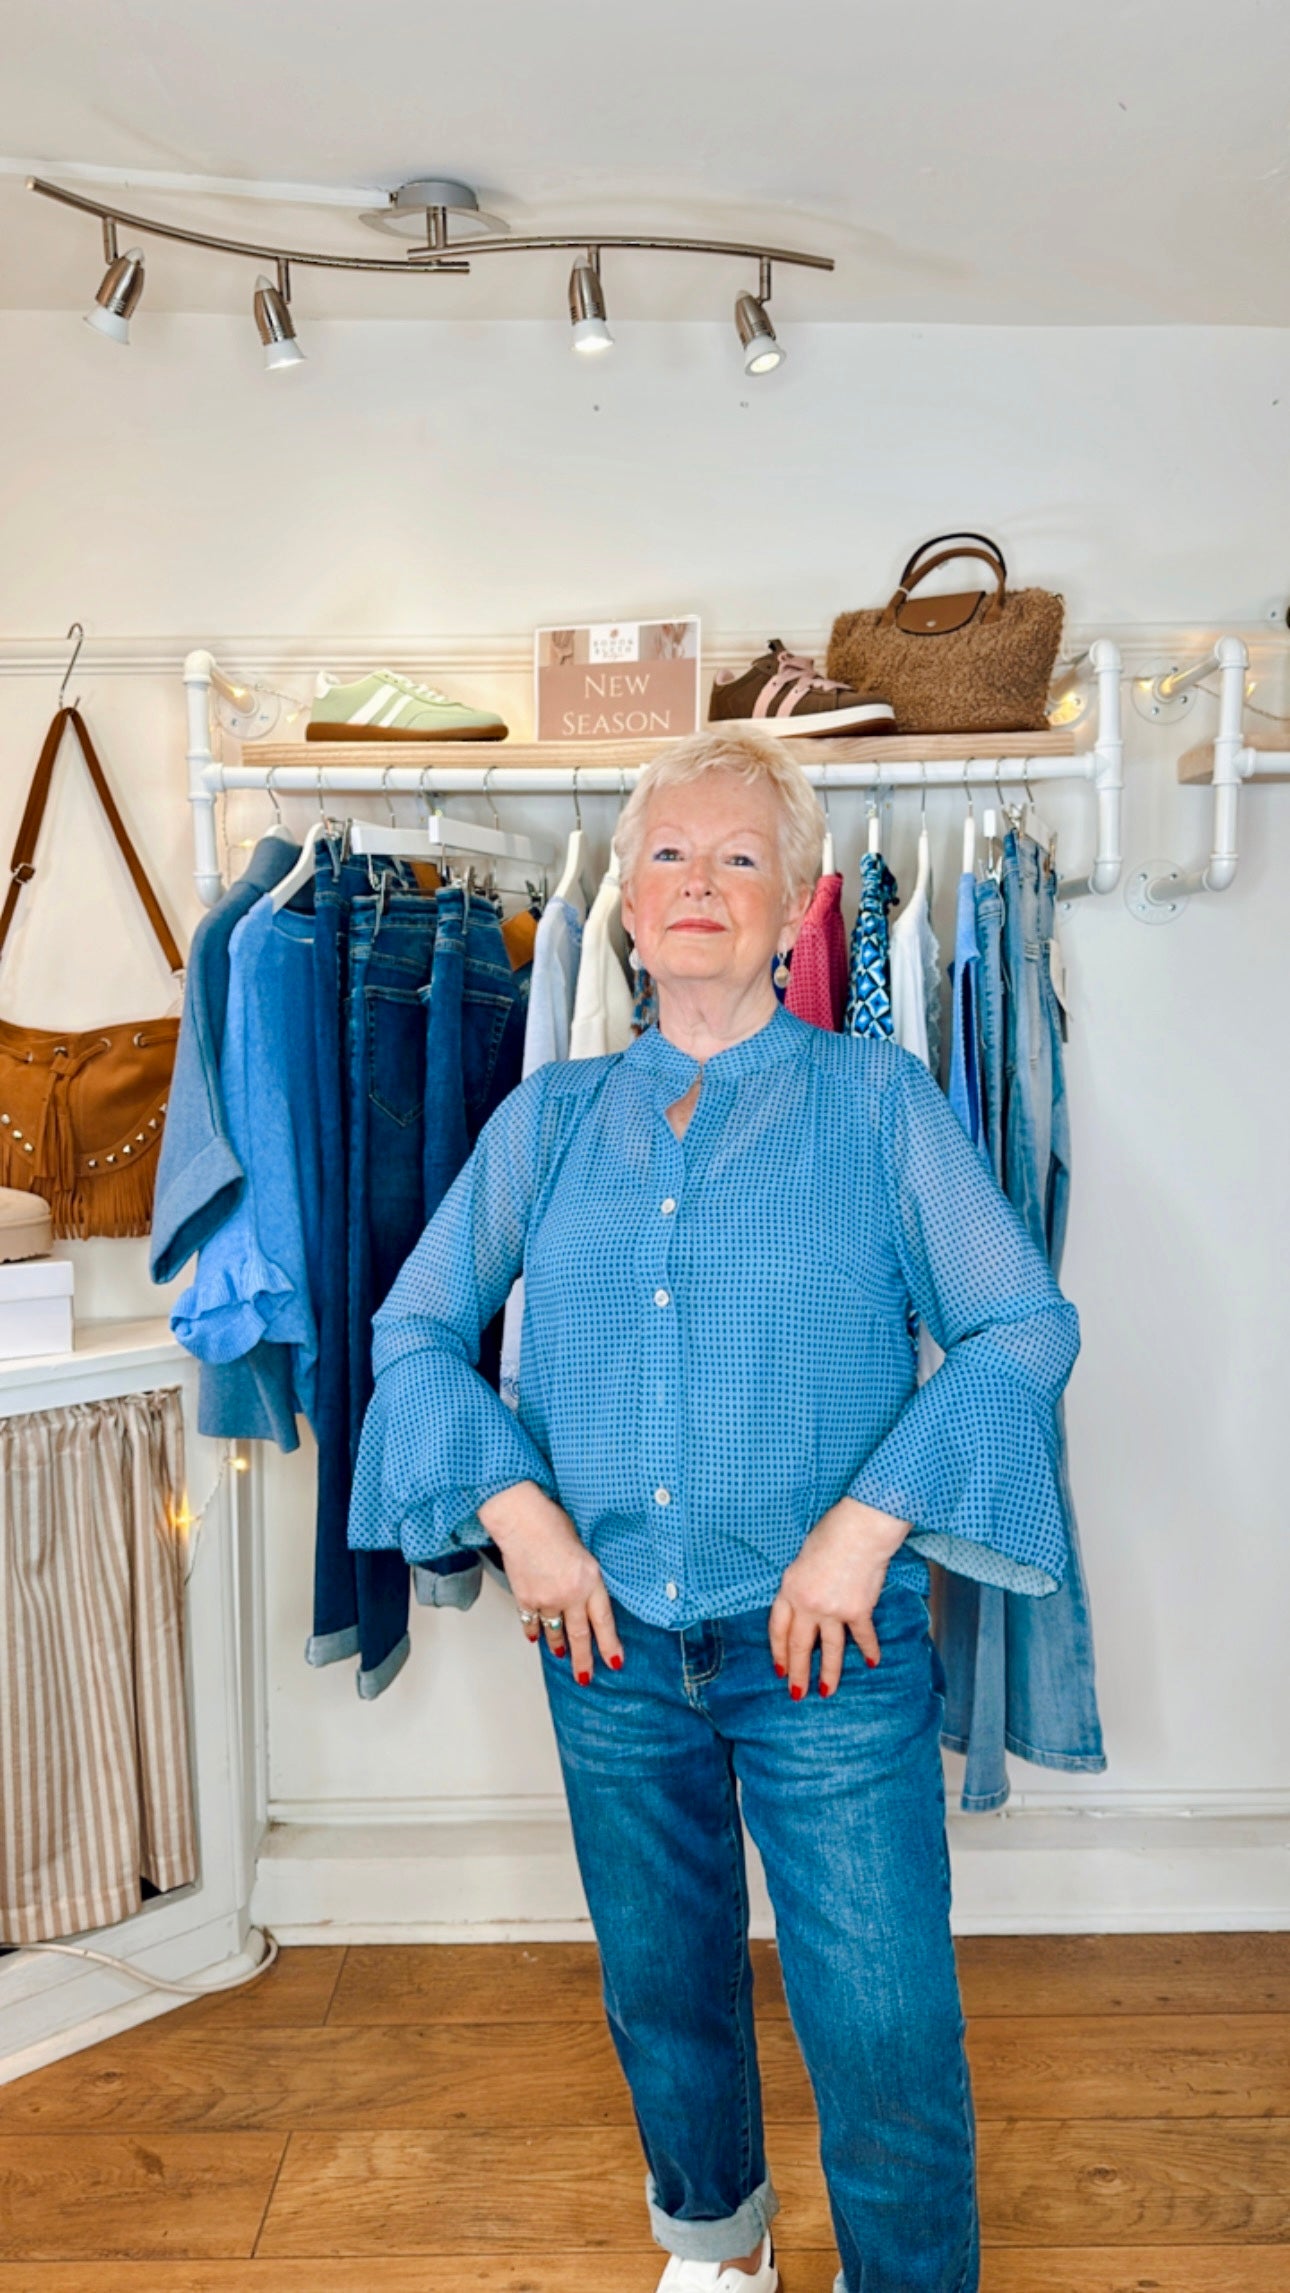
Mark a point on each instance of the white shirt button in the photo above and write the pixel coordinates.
(668, 1207)
(662, 1496)
(670, 1590)
(662, 1298)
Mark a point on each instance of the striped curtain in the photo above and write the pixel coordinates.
(95, 1792)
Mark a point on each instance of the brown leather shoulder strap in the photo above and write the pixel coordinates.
(22, 866)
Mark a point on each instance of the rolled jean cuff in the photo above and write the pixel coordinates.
(713, 2240)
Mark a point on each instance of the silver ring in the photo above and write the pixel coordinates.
(553, 1623)
(527, 1615)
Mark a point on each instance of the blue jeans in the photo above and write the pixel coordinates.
(846, 1803)
(1020, 1670)
(360, 1599)
(435, 1036)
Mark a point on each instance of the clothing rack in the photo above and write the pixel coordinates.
(387, 769)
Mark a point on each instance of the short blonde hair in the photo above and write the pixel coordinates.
(756, 758)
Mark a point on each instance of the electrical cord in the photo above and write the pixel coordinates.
(1273, 716)
(156, 1982)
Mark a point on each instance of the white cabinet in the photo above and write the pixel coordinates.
(51, 2005)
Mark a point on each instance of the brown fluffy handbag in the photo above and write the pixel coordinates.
(81, 1114)
(977, 661)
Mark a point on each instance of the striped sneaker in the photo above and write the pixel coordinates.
(784, 693)
(386, 707)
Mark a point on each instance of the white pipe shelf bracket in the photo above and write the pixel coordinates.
(1102, 764)
(1158, 892)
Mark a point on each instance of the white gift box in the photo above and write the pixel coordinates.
(35, 1307)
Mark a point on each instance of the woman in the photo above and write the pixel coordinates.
(715, 1506)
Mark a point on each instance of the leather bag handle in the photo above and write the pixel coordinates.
(909, 578)
(915, 572)
(22, 866)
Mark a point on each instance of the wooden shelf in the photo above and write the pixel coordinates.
(418, 755)
(1197, 764)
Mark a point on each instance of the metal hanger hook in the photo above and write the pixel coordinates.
(386, 770)
(497, 822)
(967, 789)
(922, 810)
(577, 807)
(278, 820)
(78, 633)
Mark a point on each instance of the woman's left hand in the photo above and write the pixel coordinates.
(831, 1589)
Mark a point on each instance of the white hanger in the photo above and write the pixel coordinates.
(969, 827)
(875, 827)
(279, 826)
(827, 867)
(301, 870)
(438, 836)
(923, 879)
(571, 876)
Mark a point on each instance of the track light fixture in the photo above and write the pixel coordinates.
(762, 351)
(451, 233)
(587, 306)
(277, 328)
(119, 288)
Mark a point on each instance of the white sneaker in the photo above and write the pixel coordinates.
(709, 2276)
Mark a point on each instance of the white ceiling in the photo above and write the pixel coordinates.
(1007, 162)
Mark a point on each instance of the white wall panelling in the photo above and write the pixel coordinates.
(434, 492)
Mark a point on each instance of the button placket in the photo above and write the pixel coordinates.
(662, 1344)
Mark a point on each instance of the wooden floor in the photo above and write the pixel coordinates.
(446, 2120)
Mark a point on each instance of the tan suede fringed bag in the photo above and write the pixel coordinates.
(972, 662)
(81, 1114)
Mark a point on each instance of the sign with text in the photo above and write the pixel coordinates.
(618, 680)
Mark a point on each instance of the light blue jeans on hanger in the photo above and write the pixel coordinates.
(1020, 1669)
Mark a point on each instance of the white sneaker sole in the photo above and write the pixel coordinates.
(867, 716)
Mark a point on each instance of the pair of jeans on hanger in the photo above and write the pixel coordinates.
(421, 1031)
(845, 1798)
(1020, 1673)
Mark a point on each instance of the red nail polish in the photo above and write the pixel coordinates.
(781, 1672)
(825, 1689)
(584, 1679)
(871, 1662)
(797, 1693)
(616, 1663)
(560, 1651)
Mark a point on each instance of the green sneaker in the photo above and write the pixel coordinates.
(386, 707)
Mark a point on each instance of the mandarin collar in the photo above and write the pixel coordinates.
(657, 1060)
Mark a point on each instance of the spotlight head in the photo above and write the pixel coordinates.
(117, 297)
(587, 311)
(761, 349)
(275, 325)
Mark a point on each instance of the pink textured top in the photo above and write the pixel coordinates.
(817, 981)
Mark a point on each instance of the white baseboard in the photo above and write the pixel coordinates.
(512, 1876)
(52, 2005)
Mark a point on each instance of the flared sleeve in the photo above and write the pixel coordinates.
(437, 1441)
(972, 1460)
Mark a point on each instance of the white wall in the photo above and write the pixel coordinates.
(447, 488)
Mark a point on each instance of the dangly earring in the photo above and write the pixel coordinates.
(780, 973)
(644, 1005)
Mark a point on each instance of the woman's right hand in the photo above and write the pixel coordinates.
(550, 1571)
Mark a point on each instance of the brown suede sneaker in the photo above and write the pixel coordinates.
(784, 693)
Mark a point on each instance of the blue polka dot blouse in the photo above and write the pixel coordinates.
(716, 1344)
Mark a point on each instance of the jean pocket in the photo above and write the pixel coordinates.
(396, 1053)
